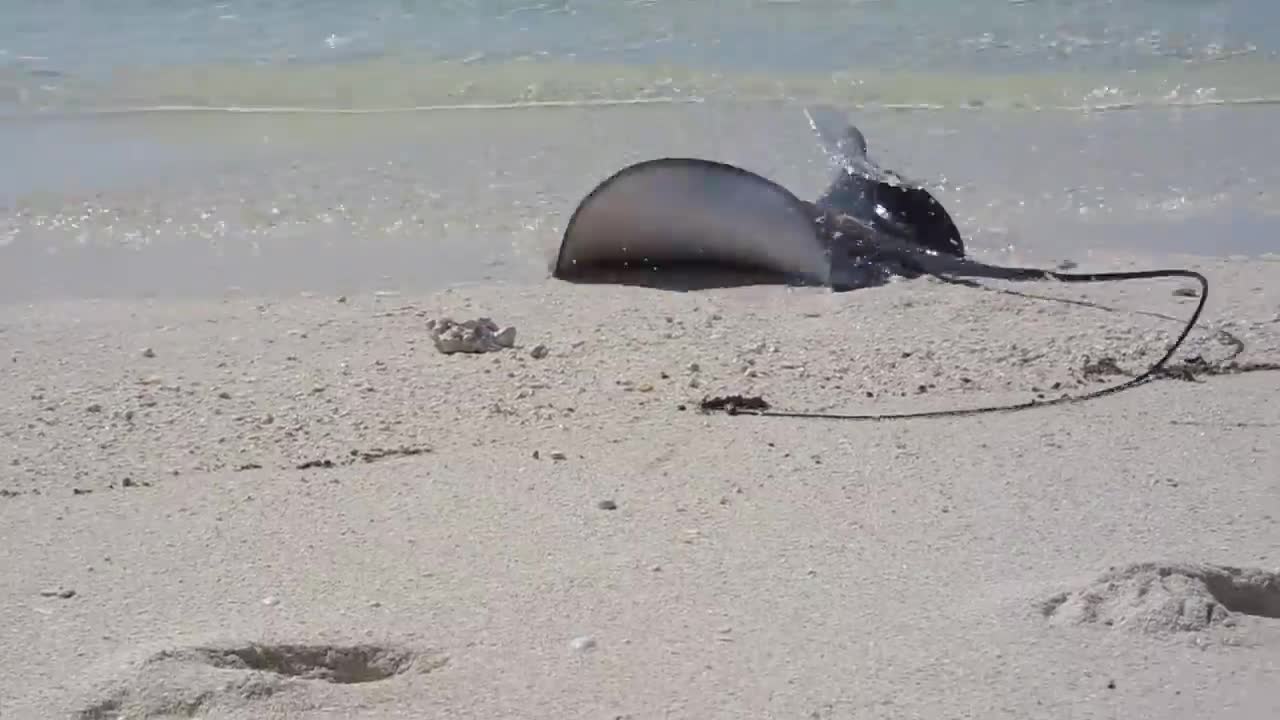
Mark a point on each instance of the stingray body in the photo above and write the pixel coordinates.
(685, 223)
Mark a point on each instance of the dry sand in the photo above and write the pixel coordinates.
(508, 536)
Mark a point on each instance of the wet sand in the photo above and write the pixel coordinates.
(175, 204)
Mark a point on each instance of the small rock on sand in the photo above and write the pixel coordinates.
(470, 336)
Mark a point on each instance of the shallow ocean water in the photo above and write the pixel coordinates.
(282, 146)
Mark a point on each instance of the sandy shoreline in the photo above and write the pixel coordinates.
(189, 206)
(747, 567)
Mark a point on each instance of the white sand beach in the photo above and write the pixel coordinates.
(568, 536)
(240, 481)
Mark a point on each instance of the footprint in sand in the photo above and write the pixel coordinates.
(187, 682)
(1169, 597)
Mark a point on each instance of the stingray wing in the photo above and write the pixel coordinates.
(842, 141)
(880, 198)
(672, 216)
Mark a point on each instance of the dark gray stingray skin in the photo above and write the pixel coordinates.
(675, 221)
(880, 198)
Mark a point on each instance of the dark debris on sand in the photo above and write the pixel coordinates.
(733, 404)
(367, 456)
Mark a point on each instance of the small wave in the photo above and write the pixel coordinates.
(377, 87)
(632, 102)
(620, 103)
(456, 107)
(1193, 103)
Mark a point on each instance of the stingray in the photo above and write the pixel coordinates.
(688, 223)
(684, 223)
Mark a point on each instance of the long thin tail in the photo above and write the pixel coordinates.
(947, 268)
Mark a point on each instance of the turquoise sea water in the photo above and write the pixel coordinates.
(295, 53)
(453, 137)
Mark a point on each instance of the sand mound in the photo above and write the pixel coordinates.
(192, 681)
(1155, 597)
